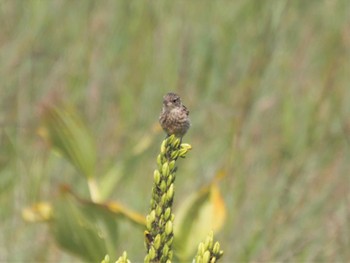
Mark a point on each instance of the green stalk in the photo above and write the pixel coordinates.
(159, 222)
(94, 190)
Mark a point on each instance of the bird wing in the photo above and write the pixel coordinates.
(186, 110)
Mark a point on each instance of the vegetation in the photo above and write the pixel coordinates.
(267, 86)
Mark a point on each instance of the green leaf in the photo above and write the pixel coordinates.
(109, 181)
(68, 134)
(202, 211)
(85, 229)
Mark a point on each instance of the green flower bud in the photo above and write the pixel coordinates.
(170, 180)
(216, 248)
(159, 160)
(150, 219)
(123, 258)
(156, 242)
(208, 244)
(201, 249)
(213, 260)
(171, 139)
(161, 221)
(167, 214)
(163, 147)
(211, 244)
(162, 186)
(148, 223)
(170, 254)
(171, 165)
(152, 215)
(168, 228)
(206, 257)
(165, 169)
(182, 152)
(156, 176)
(106, 259)
(176, 143)
(170, 241)
(170, 192)
(165, 249)
(174, 155)
(159, 211)
(163, 199)
(152, 253)
(186, 146)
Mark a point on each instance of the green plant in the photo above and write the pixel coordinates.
(159, 222)
(90, 227)
(159, 235)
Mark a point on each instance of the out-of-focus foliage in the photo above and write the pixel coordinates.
(67, 134)
(82, 227)
(89, 229)
(267, 86)
(85, 230)
(202, 212)
(39, 212)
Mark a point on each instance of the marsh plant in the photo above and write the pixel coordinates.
(90, 227)
(159, 234)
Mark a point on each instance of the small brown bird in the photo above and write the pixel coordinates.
(174, 116)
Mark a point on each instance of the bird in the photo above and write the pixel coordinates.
(174, 116)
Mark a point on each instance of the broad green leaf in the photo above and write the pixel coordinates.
(85, 229)
(68, 134)
(201, 212)
(108, 182)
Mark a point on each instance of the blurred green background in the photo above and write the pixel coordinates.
(267, 86)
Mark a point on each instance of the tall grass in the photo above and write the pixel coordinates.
(267, 85)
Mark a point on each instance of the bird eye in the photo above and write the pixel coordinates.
(174, 100)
